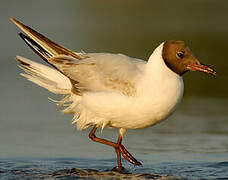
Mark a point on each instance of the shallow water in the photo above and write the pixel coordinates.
(94, 168)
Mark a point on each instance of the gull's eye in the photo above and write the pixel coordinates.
(180, 55)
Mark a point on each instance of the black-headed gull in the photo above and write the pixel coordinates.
(111, 90)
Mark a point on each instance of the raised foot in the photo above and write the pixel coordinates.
(128, 156)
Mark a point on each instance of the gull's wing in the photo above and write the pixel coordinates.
(86, 71)
(101, 72)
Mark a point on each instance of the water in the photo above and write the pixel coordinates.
(77, 167)
(36, 141)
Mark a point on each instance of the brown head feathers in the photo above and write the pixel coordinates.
(178, 57)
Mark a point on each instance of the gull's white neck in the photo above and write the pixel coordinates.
(157, 74)
(160, 88)
(156, 66)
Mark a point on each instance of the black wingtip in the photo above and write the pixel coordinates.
(35, 46)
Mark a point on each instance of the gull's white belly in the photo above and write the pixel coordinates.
(151, 109)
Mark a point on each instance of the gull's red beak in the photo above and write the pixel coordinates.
(201, 68)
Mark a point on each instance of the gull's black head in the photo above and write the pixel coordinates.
(179, 58)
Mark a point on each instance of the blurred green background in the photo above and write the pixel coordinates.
(30, 123)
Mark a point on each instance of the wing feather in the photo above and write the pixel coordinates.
(100, 72)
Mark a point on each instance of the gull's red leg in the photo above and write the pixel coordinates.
(119, 148)
(102, 141)
(109, 143)
(119, 165)
(125, 153)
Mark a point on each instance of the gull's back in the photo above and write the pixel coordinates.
(101, 72)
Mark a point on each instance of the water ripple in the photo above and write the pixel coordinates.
(72, 168)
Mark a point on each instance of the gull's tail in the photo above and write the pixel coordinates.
(44, 76)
